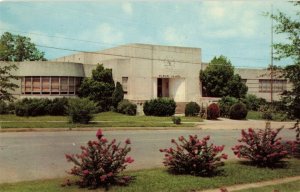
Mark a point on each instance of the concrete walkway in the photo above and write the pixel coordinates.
(256, 185)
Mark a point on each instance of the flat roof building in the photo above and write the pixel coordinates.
(145, 72)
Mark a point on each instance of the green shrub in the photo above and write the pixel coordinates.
(127, 107)
(176, 120)
(225, 104)
(213, 111)
(3, 108)
(31, 107)
(160, 107)
(253, 103)
(267, 114)
(192, 109)
(57, 106)
(118, 95)
(81, 110)
(238, 111)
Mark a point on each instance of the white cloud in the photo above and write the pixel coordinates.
(108, 34)
(127, 8)
(230, 19)
(171, 35)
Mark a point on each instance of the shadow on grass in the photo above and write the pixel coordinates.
(278, 165)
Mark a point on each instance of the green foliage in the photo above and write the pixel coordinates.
(6, 84)
(18, 48)
(118, 95)
(192, 109)
(225, 104)
(218, 79)
(290, 49)
(238, 111)
(160, 107)
(126, 107)
(176, 120)
(99, 88)
(3, 108)
(81, 110)
(253, 103)
(213, 111)
(37, 107)
(57, 106)
(31, 107)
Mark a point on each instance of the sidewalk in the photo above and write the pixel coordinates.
(256, 185)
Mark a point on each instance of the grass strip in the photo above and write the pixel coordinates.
(107, 119)
(161, 180)
(293, 186)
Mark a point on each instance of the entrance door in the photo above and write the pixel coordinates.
(159, 87)
(162, 87)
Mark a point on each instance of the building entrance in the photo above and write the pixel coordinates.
(162, 87)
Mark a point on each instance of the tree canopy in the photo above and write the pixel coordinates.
(290, 49)
(18, 48)
(6, 84)
(99, 87)
(219, 80)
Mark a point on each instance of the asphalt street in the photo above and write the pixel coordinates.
(40, 155)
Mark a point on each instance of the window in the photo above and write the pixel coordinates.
(45, 85)
(50, 85)
(125, 84)
(279, 85)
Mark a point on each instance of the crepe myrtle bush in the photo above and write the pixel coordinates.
(100, 163)
(193, 156)
(263, 147)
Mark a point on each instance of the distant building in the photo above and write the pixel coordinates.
(145, 72)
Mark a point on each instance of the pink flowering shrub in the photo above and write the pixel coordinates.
(100, 163)
(193, 156)
(262, 148)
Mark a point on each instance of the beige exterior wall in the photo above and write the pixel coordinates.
(144, 64)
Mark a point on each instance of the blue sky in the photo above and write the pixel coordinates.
(237, 29)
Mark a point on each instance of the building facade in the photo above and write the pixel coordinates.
(145, 72)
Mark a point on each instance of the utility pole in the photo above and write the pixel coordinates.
(271, 71)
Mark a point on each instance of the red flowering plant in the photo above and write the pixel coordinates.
(100, 163)
(193, 156)
(263, 147)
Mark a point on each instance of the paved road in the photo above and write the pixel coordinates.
(37, 155)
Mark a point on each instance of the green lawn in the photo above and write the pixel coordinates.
(256, 115)
(288, 187)
(161, 180)
(106, 119)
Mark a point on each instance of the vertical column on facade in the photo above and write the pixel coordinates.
(58, 85)
(41, 86)
(50, 84)
(68, 85)
(74, 80)
(31, 91)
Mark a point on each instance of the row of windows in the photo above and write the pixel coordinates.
(50, 85)
(279, 85)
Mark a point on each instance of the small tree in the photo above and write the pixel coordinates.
(99, 88)
(118, 95)
(81, 110)
(218, 79)
(6, 84)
